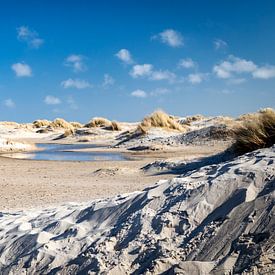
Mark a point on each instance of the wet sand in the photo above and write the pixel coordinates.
(38, 184)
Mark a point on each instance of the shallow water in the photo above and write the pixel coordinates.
(63, 152)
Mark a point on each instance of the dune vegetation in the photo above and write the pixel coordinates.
(61, 123)
(98, 122)
(41, 123)
(76, 124)
(58, 123)
(115, 126)
(256, 131)
(160, 119)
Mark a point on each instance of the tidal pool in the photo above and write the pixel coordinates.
(65, 152)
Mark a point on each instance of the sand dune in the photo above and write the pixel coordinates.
(216, 219)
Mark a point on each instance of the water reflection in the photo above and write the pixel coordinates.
(63, 152)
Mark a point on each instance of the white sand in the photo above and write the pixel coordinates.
(218, 218)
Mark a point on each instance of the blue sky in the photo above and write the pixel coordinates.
(124, 59)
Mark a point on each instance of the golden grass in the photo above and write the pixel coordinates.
(61, 123)
(76, 124)
(67, 133)
(115, 126)
(162, 120)
(189, 119)
(41, 123)
(98, 122)
(256, 131)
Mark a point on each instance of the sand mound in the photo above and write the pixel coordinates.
(7, 145)
(217, 219)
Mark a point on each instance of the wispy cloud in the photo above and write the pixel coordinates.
(108, 81)
(187, 63)
(170, 37)
(163, 75)
(52, 100)
(22, 70)
(76, 62)
(125, 56)
(9, 103)
(264, 72)
(233, 65)
(76, 83)
(219, 44)
(141, 70)
(147, 70)
(196, 78)
(139, 93)
(31, 37)
(154, 93)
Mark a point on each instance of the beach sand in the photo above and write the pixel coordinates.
(38, 184)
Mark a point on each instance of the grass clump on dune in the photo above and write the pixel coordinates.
(76, 124)
(41, 123)
(189, 119)
(67, 133)
(115, 126)
(257, 131)
(61, 123)
(161, 120)
(98, 122)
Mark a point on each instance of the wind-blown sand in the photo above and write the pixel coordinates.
(216, 219)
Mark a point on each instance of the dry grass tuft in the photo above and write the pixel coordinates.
(76, 124)
(257, 131)
(67, 133)
(162, 120)
(189, 119)
(61, 123)
(115, 126)
(41, 123)
(98, 122)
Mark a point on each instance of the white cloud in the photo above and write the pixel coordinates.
(234, 66)
(125, 56)
(108, 80)
(139, 93)
(22, 69)
(219, 44)
(76, 62)
(196, 78)
(170, 37)
(141, 70)
(187, 63)
(264, 72)
(162, 75)
(75, 83)
(9, 103)
(52, 100)
(228, 68)
(29, 36)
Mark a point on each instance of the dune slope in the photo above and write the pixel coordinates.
(215, 219)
